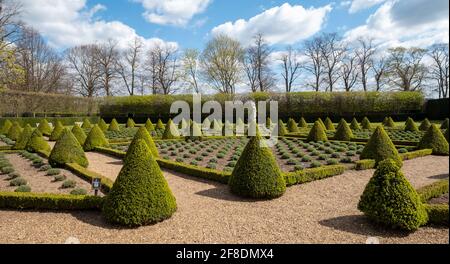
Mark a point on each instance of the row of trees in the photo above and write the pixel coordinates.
(323, 63)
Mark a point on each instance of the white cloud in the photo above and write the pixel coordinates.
(69, 23)
(284, 24)
(172, 12)
(406, 23)
(358, 5)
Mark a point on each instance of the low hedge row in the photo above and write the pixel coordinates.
(437, 213)
(433, 190)
(3, 148)
(313, 174)
(14, 200)
(112, 152)
(90, 175)
(365, 164)
(370, 164)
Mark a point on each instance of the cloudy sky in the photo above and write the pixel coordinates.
(190, 23)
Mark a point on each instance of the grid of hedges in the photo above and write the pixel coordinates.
(375, 105)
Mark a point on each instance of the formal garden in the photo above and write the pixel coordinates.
(145, 168)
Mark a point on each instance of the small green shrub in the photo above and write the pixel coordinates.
(95, 138)
(67, 150)
(410, 125)
(425, 125)
(23, 188)
(317, 133)
(67, 184)
(114, 126)
(12, 176)
(380, 147)
(19, 181)
(59, 178)
(78, 191)
(7, 170)
(435, 140)
(79, 134)
(53, 172)
(37, 143)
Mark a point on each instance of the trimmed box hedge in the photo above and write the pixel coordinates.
(106, 183)
(433, 190)
(366, 164)
(437, 214)
(309, 175)
(19, 200)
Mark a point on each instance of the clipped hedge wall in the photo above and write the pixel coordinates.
(433, 190)
(374, 105)
(309, 175)
(90, 175)
(15, 200)
(32, 121)
(437, 214)
(367, 164)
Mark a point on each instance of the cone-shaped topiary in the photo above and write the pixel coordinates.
(355, 125)
(425, 125)
(25, 136)
(114, 126)
(257, 174)
(57, 131)
(282, 130)
(292, 126)
(446, 134)
(86, 124)
(317, 133)
(322, 123)
(445, 124)
(14, 132)
(95, 138)
(195, 131)
(365, 123)
(206, 124)
(434, 139)
(389, 122)
(37, 142)
(45, 128)
(67, 149)
(149, 125)
(410, 125)
(140, 195)
(159, 124)
(102, 125)
(171, 131)
(143, 134)
(130, 123)
(390, 200)
(6, 126)
(380, 147)
(329, 124)
(79, 134)
(302, 123)
(184, 124)
(343, 131)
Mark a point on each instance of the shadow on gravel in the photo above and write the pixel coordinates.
(360, 225)
(95, 219)
(115, 162)
(221, 192)
(439, 176)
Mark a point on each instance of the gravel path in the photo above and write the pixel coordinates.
(318, 212)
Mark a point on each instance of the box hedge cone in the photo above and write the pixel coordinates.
(45, 128)
(143, 134)
(388, 122)
(317, 133)
(102, 125)
(159, 124)
(140, 195)
(282, 130)
(95, 138)
(354, 125)
(322, 123)
(25, 136)
(446, 134)
(171, 131)
(365, 123)
(302, 123)
(425, 125)
(37, 143)
(67, 149)
(410, 125)
(130, 123)
(6, 126)
(195, 131)
(114, 126)
(434, 139)
(343, 131)
(380, 147)
(149, 126)
(390, 200)
(57, 131)
(15, 131)
(445, 124)
(86, 124)
(292, 126)
(257, 174)
(329, 124)
(79, 134)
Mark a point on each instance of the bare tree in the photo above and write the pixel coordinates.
(364, 54)
(221, 62)
(128, 65)
(9, 24)
(257, 65)
(332, 52)
(85, 68)
(167, 68)
(315, 65)
(380, 67)
(440, 67)
(406, 70)
(152, 69)
(190, 65)
(291, 68)
(107, 56)
(349, 70)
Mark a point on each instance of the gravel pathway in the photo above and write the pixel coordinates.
(318, 212)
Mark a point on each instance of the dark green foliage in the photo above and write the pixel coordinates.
(329, 124)
(435, 140)
(389, 199)
(292, 126)
(380, 147)
(102, 125)
(19, 181)
(343, 132)
(38, 201)
(410, 125)
(425, 125)
(143, 134)
(445, 124)
(446, 134)
(68, 184)
(114, 126)
(256, 173)
(57, 131)
(45, 128)
(433, 190)
(302, 123)
(67, 150)
(355, 125)
(365, 123)
(437, 214)
(95, 138)
(79, 134)
(171, 131)
(317, 133)
(86, 124)
(149, 126)
(140, 195)
(282, 130)
(14, 132)
(6, 126)
(37, 142)
(78, 191)
(130, 123)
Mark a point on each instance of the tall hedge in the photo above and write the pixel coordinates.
(380, 147)
(410, 125)
(37, 142)
(67, 149)
(79, 134)
(343, 131)
(257, 174)
(25, 136)
(95, 138)
(57, 131)
(317, 133)
(140, 195)
(45, 128)
(434, 139)
(390, 200)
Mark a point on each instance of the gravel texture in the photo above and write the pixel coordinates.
(318, 212)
